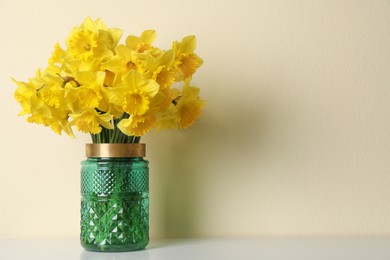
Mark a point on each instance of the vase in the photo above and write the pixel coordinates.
(114, 198)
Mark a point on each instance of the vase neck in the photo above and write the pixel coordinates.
(109, 150)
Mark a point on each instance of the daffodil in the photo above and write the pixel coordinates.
(23, 95)
(133, 93)
(52, 91)
(82, 43)
(45, 115)
(60, 125)
(186, 60)
(89, 92)
(125, 60)
(160, 69)
(189, 106)
(142, 43)
(137, 125)
(92, 40)
(169, 119)
(164, 99)
(183, 111)
(57, 56)
(90, 121)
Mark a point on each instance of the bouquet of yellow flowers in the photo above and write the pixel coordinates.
(116, 92)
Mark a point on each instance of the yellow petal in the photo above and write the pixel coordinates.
(137, 125)
(148, 36)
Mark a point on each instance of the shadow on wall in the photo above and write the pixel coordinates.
(196, 163)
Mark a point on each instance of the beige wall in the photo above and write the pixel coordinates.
(294, 140)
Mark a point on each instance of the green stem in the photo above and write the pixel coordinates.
(137, 139)
(114, 135)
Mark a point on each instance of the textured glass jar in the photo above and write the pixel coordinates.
(115, 198)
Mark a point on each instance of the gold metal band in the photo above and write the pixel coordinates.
(115, 150)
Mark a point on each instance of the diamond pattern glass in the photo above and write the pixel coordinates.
(114, 204)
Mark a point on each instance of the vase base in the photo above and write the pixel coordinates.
(114, 248)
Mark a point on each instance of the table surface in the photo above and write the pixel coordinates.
(226, 249)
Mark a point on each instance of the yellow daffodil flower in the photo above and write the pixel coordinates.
(52, 91)
(57, 56)
(61, 124)
(163, 99)
(89, 92)
(90, 121)
(186, 60)
(169, 119)
(160, 69)
(92, 40)
(143, 43)
(137, 125)
(125, 60)
(189, 106)
(133, 93)
(23, 95)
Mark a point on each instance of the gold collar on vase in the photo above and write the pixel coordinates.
(120, 150)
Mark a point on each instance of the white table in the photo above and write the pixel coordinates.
(204, 249)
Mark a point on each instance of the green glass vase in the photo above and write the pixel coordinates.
(115, 198)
